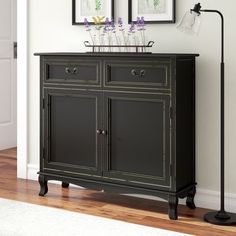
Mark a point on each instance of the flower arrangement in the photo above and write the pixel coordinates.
(106, 32)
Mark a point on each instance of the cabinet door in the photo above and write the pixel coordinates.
(70, 139)
(138, 139)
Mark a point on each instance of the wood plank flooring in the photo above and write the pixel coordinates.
(114, 206)
(11, 153)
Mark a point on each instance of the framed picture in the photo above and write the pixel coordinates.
(153, 11)
(82, 9)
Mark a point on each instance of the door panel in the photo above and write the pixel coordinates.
(71, 121)
(138, 138)
(5, 92)
(5, 19)
(8, 74)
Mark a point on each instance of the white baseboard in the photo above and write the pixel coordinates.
(32, 172)
(211, 199)
(204, 198)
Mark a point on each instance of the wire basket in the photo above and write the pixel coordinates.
(126, 48)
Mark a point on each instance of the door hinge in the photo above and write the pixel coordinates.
(49, 102)
(171, 113)
(43, 103)
(171, 170)
(43, 153)
(15, 50)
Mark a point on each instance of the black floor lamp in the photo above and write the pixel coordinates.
(190, 23)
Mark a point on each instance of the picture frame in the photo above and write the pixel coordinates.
(82, 9)
(153, 11)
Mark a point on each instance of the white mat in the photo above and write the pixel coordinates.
(23, 219)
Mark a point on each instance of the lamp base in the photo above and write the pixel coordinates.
(220, 218)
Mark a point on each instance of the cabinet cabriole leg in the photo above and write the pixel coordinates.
(43, 185)
(173, 205)
(190, 198)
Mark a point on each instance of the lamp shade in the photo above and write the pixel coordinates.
(190, 23)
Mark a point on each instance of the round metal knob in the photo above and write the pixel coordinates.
(104, 132)
(99, 131)
(142, 73)
(67, 70)
(134, 72)
(75, 70)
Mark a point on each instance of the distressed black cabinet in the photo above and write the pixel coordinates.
(119, 122)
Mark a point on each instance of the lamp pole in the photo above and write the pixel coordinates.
(221, 217)
(221, 214)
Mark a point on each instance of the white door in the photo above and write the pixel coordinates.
(7, 74)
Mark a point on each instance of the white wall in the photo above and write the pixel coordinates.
(50, 30)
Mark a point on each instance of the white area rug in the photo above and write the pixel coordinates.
(23, 219)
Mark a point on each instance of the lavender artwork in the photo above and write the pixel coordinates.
(154, 11)
(93, 7)
(151, 6)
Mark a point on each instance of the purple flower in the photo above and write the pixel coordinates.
(87, 24)
(108, 26)
(132, 28)
(120, 22)
(113, 26)
(140, 23)
(107, 22)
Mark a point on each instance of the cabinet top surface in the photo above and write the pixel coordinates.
(118, 54)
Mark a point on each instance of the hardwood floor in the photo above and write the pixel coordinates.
(11, 153)
(125, 208)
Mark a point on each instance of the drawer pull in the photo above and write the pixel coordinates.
(75, 70)
(104, 132)
(142, 73)
(136, 74)
(67, 70)
(99, 131)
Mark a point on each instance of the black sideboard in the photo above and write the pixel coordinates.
(119, 122)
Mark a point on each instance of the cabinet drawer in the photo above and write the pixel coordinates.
(138, 74)
(80, 72)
